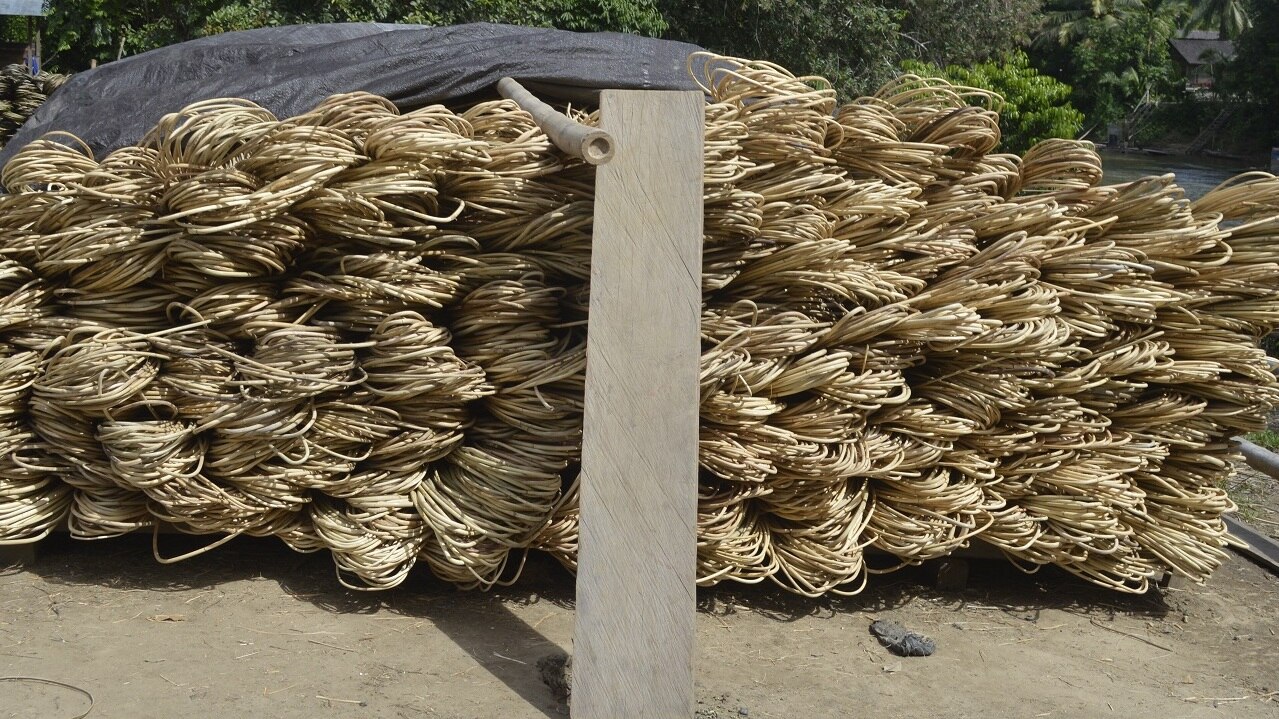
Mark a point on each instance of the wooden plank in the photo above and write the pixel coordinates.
(633, 645)
(1253, 544)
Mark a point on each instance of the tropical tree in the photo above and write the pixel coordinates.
(79, 31)
(855, 45)
(1228, 17)
(990, 28)
(1254, 73)
(1066, 21)
(1035, 107)
(1113, 52)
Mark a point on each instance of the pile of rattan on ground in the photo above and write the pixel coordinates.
(364, 331)
(21, 94)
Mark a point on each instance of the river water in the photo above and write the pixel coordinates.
(1196, 175)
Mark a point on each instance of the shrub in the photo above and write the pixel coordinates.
(1035, 107)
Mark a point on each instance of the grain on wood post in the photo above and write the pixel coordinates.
(633, 647)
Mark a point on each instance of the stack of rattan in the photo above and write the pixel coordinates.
(364, 331)
(21, 94)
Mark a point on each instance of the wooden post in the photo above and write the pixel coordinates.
(636, 604)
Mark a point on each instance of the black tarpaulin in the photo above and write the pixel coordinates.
(288, 70)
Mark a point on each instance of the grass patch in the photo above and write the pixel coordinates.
(1267, 438)
(1247, 498)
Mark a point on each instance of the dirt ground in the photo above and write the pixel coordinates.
(255, 630)
(1257, 495)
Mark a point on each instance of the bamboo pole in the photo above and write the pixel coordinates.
(589, 143)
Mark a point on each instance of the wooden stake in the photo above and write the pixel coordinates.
(633, 646)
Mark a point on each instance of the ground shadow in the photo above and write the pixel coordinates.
(127, 563)
(992, 583)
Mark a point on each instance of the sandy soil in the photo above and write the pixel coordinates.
(255, 630)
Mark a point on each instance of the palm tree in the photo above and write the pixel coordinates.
(1068, 20)
(1229, 17)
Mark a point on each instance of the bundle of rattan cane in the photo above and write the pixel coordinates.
(364, 331)
(21, 94)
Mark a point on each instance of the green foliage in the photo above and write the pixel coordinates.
(78, 31)
(855, 45)
(1267, 438)
(1228, 17)
(1113, 52)
(13, 29)
(962, 32)
(247, 14)
(1036, 107)
(1177, 121)
(639, 17)
(1254, 73)
(1066, 21)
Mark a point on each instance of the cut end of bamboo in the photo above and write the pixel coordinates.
(597, 148)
